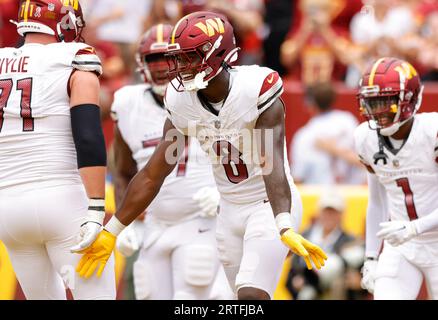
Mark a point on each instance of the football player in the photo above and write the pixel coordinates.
(179, 258)
(399, 148)
(52, 152)
(223, 107)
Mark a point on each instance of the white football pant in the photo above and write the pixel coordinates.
(180, 262)
(249, 243)
(38, 227)
(400, 271)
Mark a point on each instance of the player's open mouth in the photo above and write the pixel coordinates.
(384, 121)
(187, 76)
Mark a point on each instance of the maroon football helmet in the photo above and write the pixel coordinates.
(150, 57)
(201, 45)
(390, 94)
(62, 19)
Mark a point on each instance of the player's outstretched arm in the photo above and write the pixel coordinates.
(140, 192)
(90, 151)
(272, 152)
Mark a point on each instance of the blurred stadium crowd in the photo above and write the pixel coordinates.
(312, 43)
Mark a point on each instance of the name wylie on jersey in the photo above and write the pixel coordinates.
(13, 65)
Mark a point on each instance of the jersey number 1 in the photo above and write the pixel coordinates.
(409, 197)
(25, 86)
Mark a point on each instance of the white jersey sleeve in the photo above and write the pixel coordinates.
(433, 128)
(430, 221)
(121, 97)
(130, 102)
(259, 87)
(172, 101)
(270, 90)
(376, 213)
(85, 59)
(360, 135)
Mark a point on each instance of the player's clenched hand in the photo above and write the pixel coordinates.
(304, 248)
(130, 239)
(97, 255)
(208, 200)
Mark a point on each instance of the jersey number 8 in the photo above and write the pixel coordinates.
(235, 167)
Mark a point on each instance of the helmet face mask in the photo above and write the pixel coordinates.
(381, 110)
(389, 95)
(157, 67)
(187, 66)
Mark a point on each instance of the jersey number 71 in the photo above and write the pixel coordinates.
(25, 86)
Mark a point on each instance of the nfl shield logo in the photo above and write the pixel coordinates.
(396, 163)
(217, 124)
(51, 7)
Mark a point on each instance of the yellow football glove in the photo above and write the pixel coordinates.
(304, 248)
(96, 255)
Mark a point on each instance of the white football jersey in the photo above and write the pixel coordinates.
(228, 136)
(36, 143)
(410, 176)
(140, 120)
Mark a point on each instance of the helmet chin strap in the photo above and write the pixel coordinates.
(389, 131)
(60, 35)
(392, 129)
(380, 155)
(196, 83)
